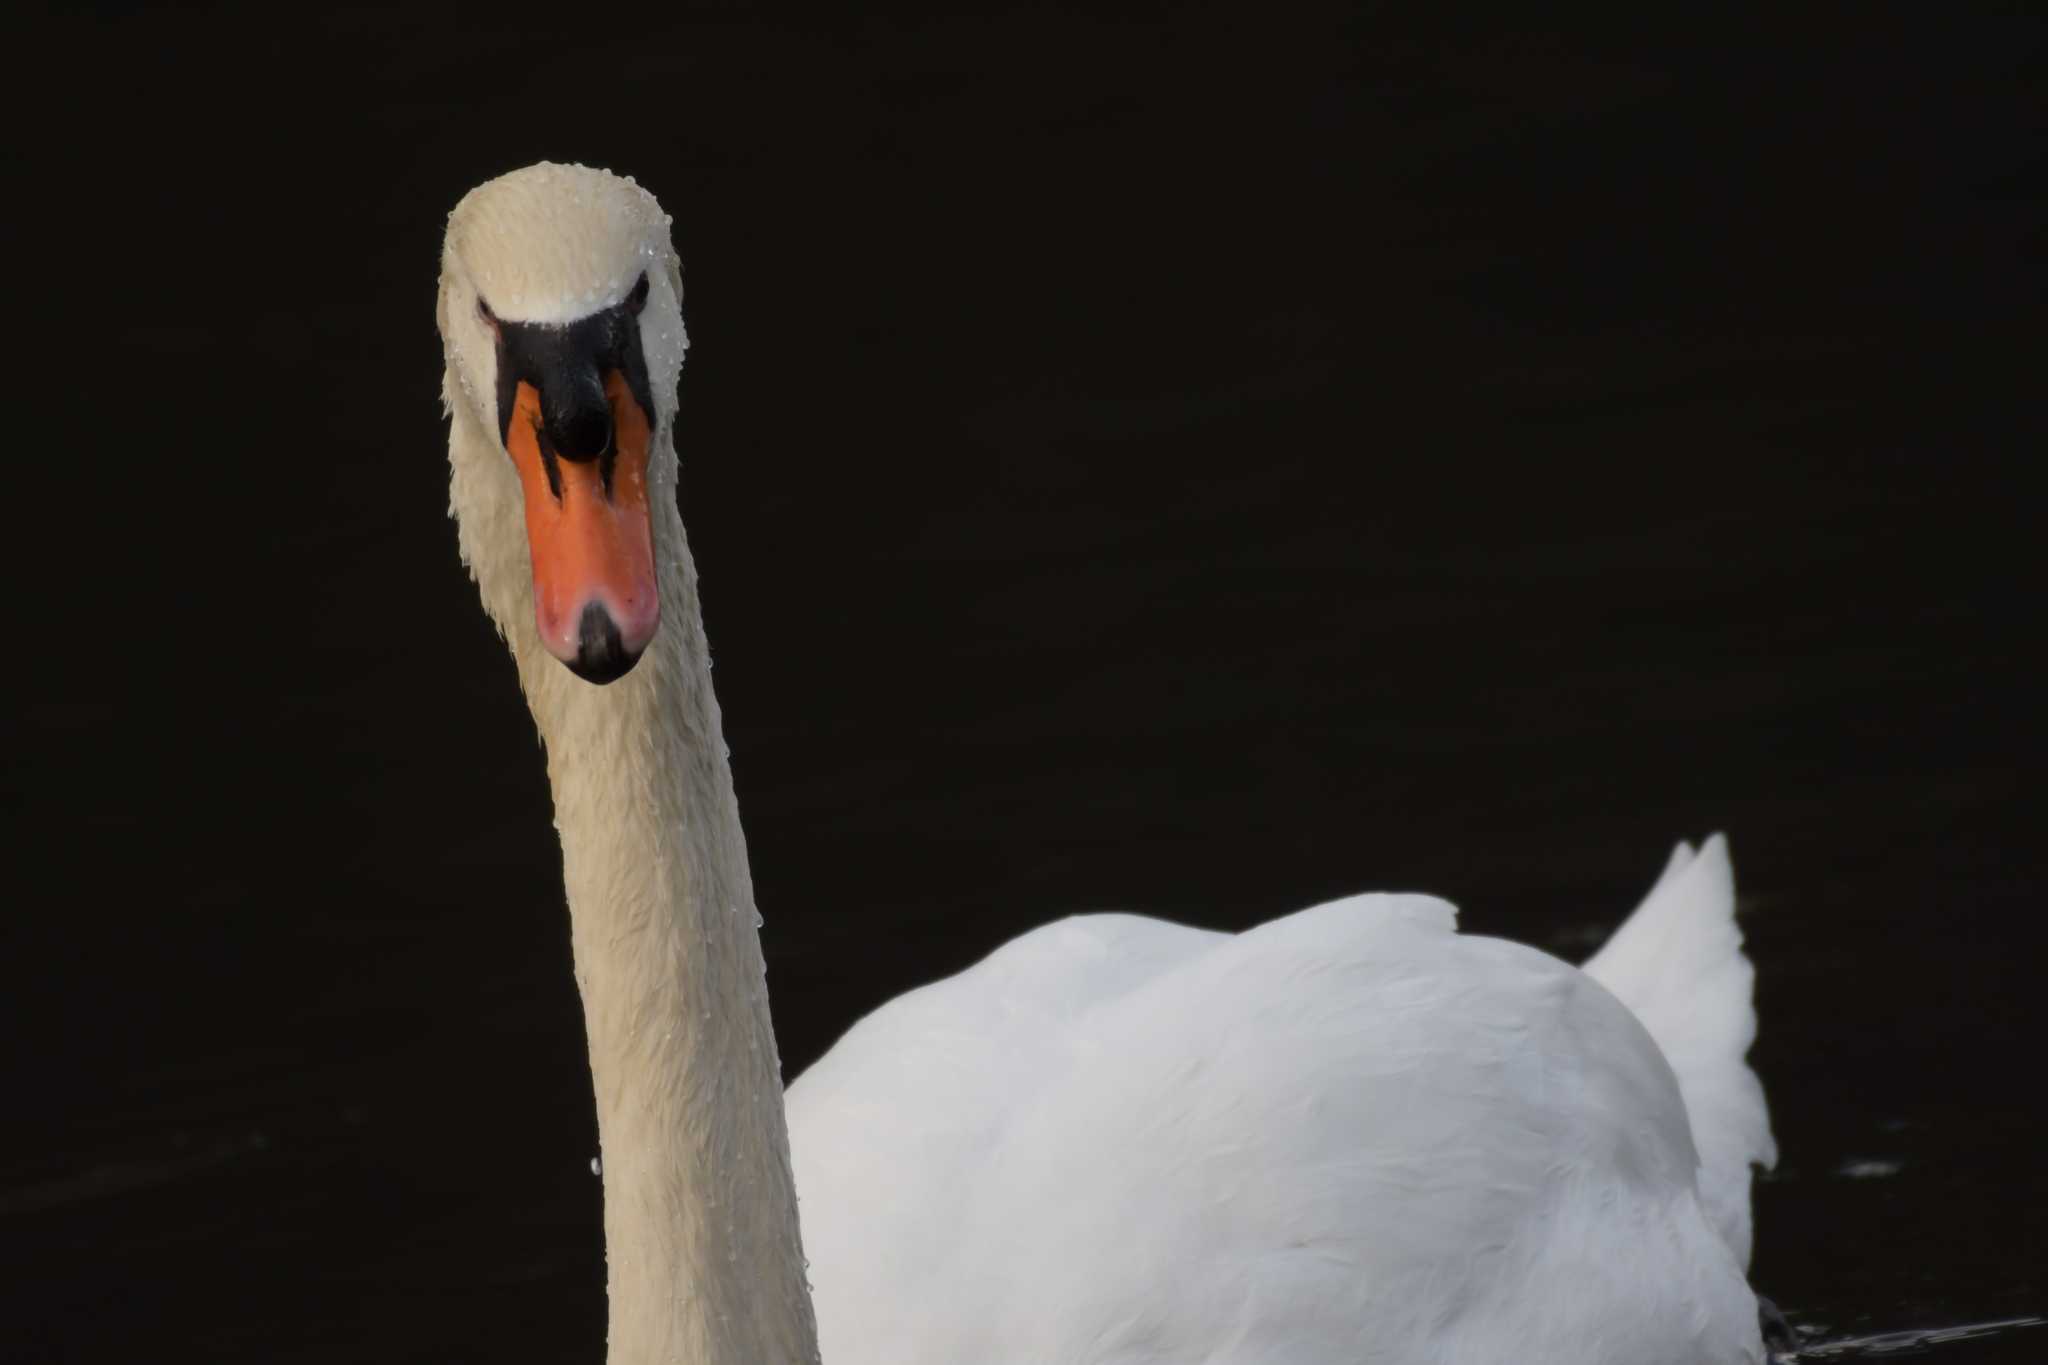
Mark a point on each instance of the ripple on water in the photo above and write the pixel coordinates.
(1920, 1342)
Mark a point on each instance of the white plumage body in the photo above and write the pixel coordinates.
(1349, 1135)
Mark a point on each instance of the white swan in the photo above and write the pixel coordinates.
(1350, 1135)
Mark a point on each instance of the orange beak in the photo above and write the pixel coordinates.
(591, 538)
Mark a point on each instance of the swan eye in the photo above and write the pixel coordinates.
(637, 300)
(483, 310)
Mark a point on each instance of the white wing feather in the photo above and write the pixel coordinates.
(1677, 962)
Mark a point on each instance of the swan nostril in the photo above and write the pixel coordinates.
(601, 655)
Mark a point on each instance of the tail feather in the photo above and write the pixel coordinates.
(1678, 963)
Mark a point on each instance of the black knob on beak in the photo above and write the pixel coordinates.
(578, 415)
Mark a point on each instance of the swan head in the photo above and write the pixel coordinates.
(561, 325)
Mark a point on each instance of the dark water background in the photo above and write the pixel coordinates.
(1201, 464)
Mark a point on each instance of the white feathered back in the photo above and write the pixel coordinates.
(1351, 1134)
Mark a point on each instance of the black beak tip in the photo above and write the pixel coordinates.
(601, 655)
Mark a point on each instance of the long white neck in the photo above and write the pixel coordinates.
(706, 1265)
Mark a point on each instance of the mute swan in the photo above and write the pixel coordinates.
(1349, 1135)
